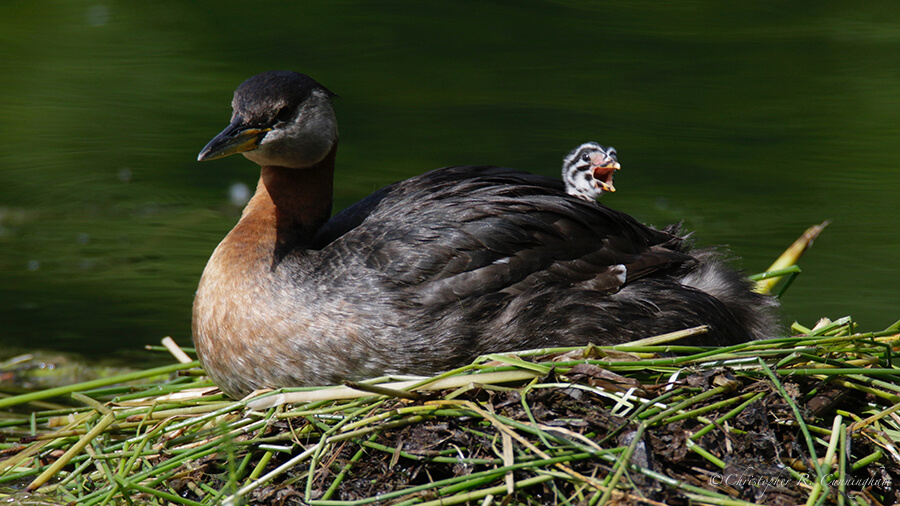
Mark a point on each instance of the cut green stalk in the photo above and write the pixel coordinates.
(158, 493)
(71, 452)
(474, 496)
(699, 450)
(825, 467)
(787, 398)
(87, 385)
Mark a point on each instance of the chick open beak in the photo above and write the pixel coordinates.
(603, 174)
(236, 138)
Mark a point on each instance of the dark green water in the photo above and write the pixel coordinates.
(748, 123)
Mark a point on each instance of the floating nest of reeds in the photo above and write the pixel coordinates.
(806, 419)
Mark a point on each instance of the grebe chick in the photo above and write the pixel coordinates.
(428, 273)
(587, 171)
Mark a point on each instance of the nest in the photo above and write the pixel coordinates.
(804, 419)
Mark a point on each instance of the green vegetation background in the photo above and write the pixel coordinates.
(749, 123)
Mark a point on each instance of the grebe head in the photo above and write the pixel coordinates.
(588, 170)
(279, 118)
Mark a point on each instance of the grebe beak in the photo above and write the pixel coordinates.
(236, 138)
(603, 175)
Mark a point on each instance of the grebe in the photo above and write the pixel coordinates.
(428, 273)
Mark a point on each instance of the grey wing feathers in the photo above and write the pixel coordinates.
(479, 230)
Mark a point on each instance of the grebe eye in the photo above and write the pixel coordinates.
(586, 157)
(284, 114)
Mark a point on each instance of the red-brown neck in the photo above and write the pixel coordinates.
(290, 205)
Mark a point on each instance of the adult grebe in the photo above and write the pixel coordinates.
(428, 273)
